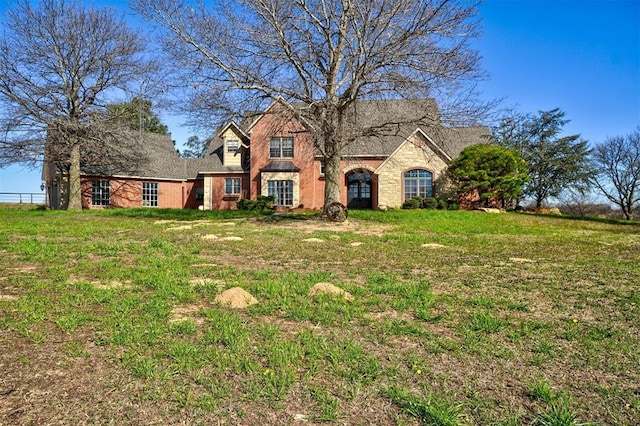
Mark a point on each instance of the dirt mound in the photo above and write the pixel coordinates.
(236, 298)
(328, 288)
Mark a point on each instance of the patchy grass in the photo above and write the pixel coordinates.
(457, 318)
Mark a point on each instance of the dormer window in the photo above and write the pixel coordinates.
(280, 147)
(233, 146)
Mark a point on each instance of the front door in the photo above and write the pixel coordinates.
(359, 190)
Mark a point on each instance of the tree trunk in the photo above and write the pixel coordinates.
(627, 213)
(332, 178)
(74, 195)
(539, 203)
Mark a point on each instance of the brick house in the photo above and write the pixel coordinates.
(271, 153)
(147, 173)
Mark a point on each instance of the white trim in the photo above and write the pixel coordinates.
(237, 130)
(147, 178)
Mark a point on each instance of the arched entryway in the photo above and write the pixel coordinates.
(359, 185)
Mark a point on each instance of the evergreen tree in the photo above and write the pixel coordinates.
(555, 163)
(137, 115)
(494, 172)
(195, 147)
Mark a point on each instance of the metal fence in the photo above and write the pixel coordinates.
(22, 197)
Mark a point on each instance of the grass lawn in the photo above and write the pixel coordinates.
(457, 318)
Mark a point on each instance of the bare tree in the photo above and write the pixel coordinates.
(321, 56)
(617, 160)
(59, 63)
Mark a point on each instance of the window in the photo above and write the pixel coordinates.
(100, 193)
(418, 182)
(232, 186)
(149, 194)
(281, 147)
(282, 190)
(322, 167)
(199, 193)
(233, 146)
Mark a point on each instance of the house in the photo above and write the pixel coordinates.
(141, 170)
(391, 158)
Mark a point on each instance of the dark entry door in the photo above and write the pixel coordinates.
(359, 191)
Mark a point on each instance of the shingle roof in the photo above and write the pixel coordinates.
(381, 126)
(280, 166)
(213, 161)
(391, 122)
(147, 155)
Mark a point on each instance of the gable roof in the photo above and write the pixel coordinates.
(382, 126)
(392, 122)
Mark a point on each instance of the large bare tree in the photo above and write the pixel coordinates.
(617, 162)
(321, 56)
(60, 62)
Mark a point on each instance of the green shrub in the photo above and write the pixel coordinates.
(412, 203)
(262, 203)
(265, 202)
(246, 204)
(429, 203)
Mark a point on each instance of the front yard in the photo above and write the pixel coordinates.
(455, 318)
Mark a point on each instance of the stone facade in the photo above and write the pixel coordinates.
(413, 154)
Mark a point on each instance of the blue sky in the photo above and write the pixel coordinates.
(582, 56)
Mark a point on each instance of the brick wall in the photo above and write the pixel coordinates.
(128, 193)
(274, 124)
(216, 197)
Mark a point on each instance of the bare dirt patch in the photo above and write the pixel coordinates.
(186, 312)
(433, 245)
(108, 285)
(390, 314)
(24, 268)
(521, 260)
(8, 297)
(354, 226)
(313, 240)
(48, 387)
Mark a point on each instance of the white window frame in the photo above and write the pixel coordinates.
(233, 146)
(282, 190)
(232, 186)
(423, 184)
(277, 147)
(150, 192)
(100, 193)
